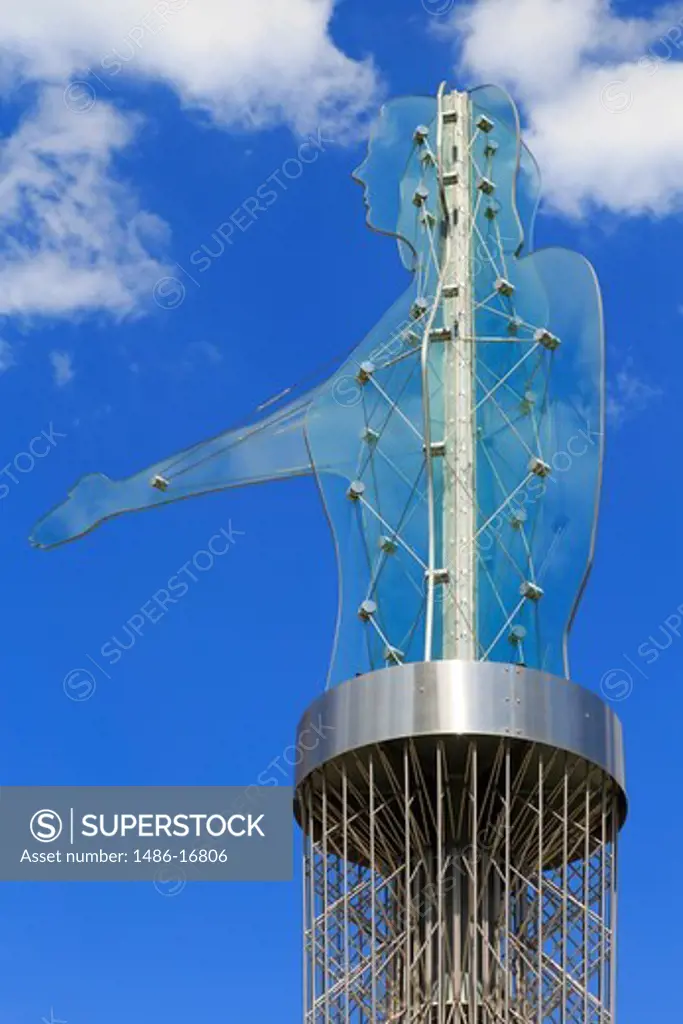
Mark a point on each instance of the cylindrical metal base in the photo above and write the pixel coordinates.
(460, 828)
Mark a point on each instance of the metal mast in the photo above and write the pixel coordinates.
(459, 515)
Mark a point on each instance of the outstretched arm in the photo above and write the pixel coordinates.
(273, 448)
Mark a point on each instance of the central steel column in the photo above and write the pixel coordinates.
(459, 506)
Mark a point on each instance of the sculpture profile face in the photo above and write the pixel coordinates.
(367, 432)
(393, 168)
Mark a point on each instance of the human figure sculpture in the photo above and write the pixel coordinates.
(370, 433)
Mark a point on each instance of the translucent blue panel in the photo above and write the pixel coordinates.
(538, 404)
(515, 168)
(369, 449)
(270, 449)
(375, 433)
(369, 455)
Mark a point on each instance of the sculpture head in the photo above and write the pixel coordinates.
(396, 164)
(393, 168)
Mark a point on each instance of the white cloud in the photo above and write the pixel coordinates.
(207, 351)
(62, 368)
(269, 61)
(600, 94)
(628, 394)
(72, 237)
(6, 355)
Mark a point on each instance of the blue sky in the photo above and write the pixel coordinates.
(109, 182)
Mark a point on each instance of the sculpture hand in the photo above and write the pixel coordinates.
(273, 448)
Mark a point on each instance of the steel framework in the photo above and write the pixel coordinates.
(460, 877)
(415, 893)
